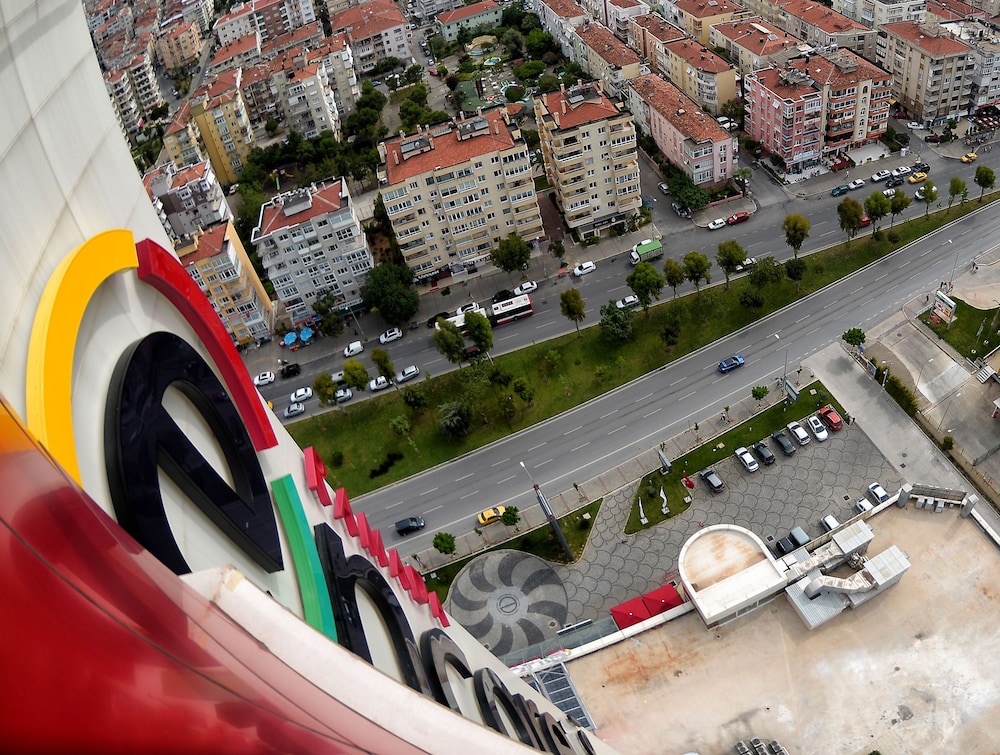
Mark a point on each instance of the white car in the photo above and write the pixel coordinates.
(914, 126)
(293, 409)
(583, 268)
(862, 506)
(470, 307)
(877, 492)
(354, 348)
(746, 264)
(302, 394)
(264, 378)
(857, 183)
(890, 193)
(392, 334)
(747, 460)
(717, 224)
(628, 302)
(407, 373)
(818, 428)
(525, 288)
(342, 395)
(379, 383)
(799, 433)
(880, 176)
(902, 170)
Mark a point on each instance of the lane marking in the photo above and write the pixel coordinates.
(612, 432)
(579, 447)
(605, 416)
(570, 432)
(644, 416)
(502, 461)
(468, 495)
(428, 492)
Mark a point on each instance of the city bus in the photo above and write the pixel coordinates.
(511, 309)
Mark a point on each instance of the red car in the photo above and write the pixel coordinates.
(830, 418)
(865, 221)
(739, 217)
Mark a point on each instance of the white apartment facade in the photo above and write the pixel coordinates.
(187, 199)
(376, 30)
(984, 44)
(877, 13)
(307, 102)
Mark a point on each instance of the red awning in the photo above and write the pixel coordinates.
(662, 599)
(629, 613)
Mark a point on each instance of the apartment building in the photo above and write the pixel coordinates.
(615, 14)
(486, 13)
(216, 260)
(180, 140)
(942, 11)
(696, 17)
(784, 113)
(188, 199)
(648, 35)
(223, 125)
(426, 9)
(306, 100)
(237, 24)
(984, 45)
(269, 18)
(687, 136)
(932, 71)
(142, 77)
(376, 30)
(820, 26)
(590, 155)
(259, 97)
(198, 12)
(311, 243)
(335, 53)
(294, 41)
(178, 46)
(454, 191)
(705, 77)
(603, 56)
(559, 18)
(877, 13)
(753, 43)
(123, 99)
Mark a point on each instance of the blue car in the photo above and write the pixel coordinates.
(840, 190)
(731, 363)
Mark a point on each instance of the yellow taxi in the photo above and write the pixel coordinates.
(970, 157)
(491, 515)
(918, 178)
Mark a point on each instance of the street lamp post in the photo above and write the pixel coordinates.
(947, 409)
(784, 373)
(885, 372)
(954, 266)
(546, 509)
(921, 373)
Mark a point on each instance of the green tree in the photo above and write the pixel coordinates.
(557, 249)
(696, 267)
(510, 517)
(877, 207)
(529, 70)
(271, 127)
(766, 272)
(572, 306)
(414, 73)
(548, 83)
(849, 212)
(537, 43)
(759, 393)
(796, 228)
(646, 283)
(956, 188)
(449, 342)
(355, 374)
(855, 337)
(389, 291)
(415, 397)
(331, 322)
(930, 195)
(444, 542)
(455, 419)
(524, 390)
(673, 274)
(383, 363)
(734, 110)
(795, 269)
(513, 41)
(752, 299)
(479, 331)
(400, 425)
(532, 141)
(743, 176)
(324, 388)
(899, 202)
(512, 253)
(985, 179)
(451, 81)
(616, 324)
(514, 93)
(731, 256)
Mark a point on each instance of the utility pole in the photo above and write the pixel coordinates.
(548, 514)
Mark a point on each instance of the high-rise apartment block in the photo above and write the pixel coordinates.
(223, 124)
(187, 199)
(589, 150)
(376, 30)
(454, 191)
(311, 243)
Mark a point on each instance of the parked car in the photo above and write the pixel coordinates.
(932, 138)
(829, 523)
(865, 221)
(525, 288)
(681, 210)
(290, 370)
(408, 525)
(970, 157)
(785, 546)
(664, 188)
(343, 395)
(407, 373)
(628, 302)
(894, 181)
(877, 493)
(746, 459)
(264, 378)
(829, 415)
(763, 453)
(862, 506)
(857, 183)
(798, 536)
(918, 177)
(902, 170)
(915, 126)
(839, 191)
(712, 480)
(354, 348)
(746, 264)
(392, 334)
(490, 515)
(786, 446)
(880, 176)
(731, 363)
(378, 384)
(717, 224)
(300, 395)
(470, 307)
(293, 410)
(502, 295)
(924, 167)
(584, 268)
(738, 217)
(818, 428)
(798, 432)
(919, 194)
(433, 320)
(890, 193)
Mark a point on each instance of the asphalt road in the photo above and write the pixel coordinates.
(614, 427)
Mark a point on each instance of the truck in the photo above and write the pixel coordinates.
(645, 251)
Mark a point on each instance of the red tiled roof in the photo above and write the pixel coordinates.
(683, 113)
(820, 16)
(950, 10)
(746, 33)
(565, 8)
(658, 27)
(467, 11)
(698, 55)
(625, 3)
(590, 110)
(852, 69)
(920, 37)
(607, 45)
(702, 9)
(771, 80)
(210, 243)
(448, 149)
(272, 215)
(368, 19)
(181, 119)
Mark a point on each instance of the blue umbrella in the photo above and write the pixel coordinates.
(290, 338)
(306, 334)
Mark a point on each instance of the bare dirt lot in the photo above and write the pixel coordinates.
(916, 670)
